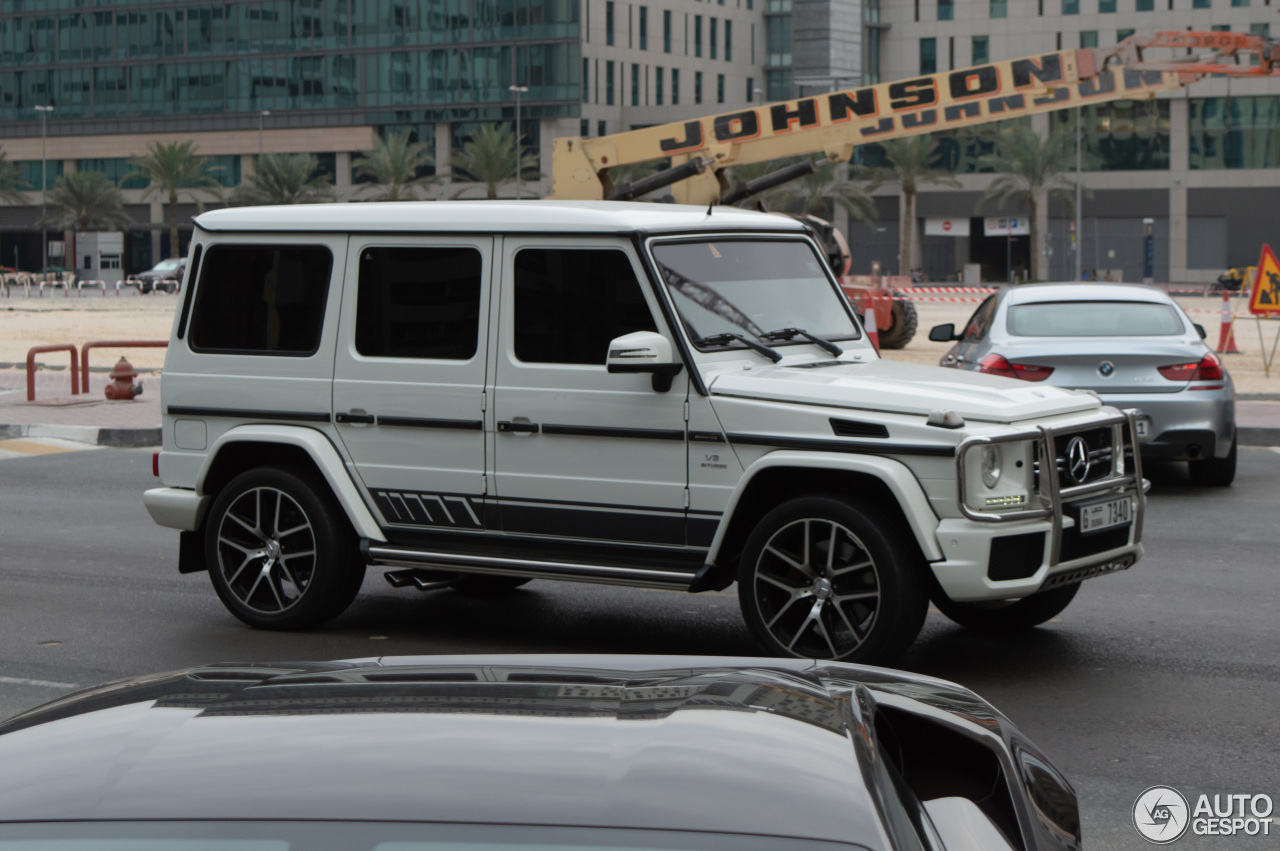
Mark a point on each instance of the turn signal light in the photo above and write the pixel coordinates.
(1209, 368)
(997, 365)
(155, 463)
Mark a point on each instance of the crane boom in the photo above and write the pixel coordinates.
(837, 122)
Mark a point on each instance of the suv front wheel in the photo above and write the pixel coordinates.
(280, 551)
(822, 578)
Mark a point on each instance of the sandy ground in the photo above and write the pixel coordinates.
(27, 322)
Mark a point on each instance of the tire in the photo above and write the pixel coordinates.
(784, 581)
(998, 616)
(272, 578)
(1214, 472)
(905, 322)
(480, 585)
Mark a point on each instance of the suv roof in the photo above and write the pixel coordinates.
(493, 217)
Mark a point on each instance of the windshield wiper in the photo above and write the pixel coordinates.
(788, 333)
(727, 338)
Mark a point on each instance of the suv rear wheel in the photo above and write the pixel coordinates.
(281, 553)
(823, 578)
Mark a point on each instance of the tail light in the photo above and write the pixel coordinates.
(1209, 368)
(997, 365)
(155, 463)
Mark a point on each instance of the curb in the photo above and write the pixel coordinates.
(1256, 436)
(118, 438)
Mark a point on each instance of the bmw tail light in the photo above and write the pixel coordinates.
(155, 463)
(1209, 368)
(997, 365)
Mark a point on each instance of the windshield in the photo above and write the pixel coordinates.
(1094, 319)
(376, 836)
(752, 287)
(169, 265)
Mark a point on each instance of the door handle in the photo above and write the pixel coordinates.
(524, 428)
(353, 417)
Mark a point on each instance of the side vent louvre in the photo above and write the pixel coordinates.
(853, 428)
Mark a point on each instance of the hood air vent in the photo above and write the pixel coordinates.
(853, 428)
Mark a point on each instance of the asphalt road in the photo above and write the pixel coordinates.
(1165, 674)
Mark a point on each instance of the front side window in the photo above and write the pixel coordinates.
(571, 302)
(752, 288)
(261, 299)
(418, 302)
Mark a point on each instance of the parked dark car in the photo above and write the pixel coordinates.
(166, 270)
(524, 752)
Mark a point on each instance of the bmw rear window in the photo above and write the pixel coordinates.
(1094, 319)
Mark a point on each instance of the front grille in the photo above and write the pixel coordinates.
(1082, 468)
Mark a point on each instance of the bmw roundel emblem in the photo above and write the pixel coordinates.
(1106, 369)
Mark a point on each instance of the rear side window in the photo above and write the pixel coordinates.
(570, 303)
(261, 299)
(417, 302)
(1094, 319)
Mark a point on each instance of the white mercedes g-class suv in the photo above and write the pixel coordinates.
(477, 394)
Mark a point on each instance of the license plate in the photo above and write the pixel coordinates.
(1108, 514)
(1144, 428)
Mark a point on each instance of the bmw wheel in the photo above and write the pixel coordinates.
(823, 578)
(280, 552)
(1214, 472)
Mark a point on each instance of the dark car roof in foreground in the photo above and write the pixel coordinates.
(745, 746)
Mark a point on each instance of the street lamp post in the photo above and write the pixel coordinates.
(519, 90)
(44, 183)
(261, 119)
(1078, 223)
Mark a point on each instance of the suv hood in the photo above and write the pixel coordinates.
(900, 388)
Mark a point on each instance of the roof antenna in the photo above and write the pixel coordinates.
(710, 204)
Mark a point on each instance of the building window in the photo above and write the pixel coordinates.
(635, 84)
(946, 10)
(697, 35)
(644, 27)
(1121, 35)
(999, 8)
(1220, 28)
(657, 85)
(751, 90)
(777, 84)
(608, 22)
(1106, 7)
(1070, 7)
(1239, 2)
(928, 55)
(777, 37)
(675, 86)
(1234, 133)
(1088, 38)
(586, 66)
(719, 88)
(713, 36)
(1123, 135)
(1201, 4)
(666, 30)
(871, 56)
(584, 128)
(981, 49)
(608, 83)
(1146, 5)
(697, 87)
(728, 41)
(600, 128)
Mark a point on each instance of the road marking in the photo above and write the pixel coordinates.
(18, 681)
(21, 448)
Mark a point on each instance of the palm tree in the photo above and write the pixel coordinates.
(913, 163)
(85, 201)
(11, 182)
(489, 157)
(1031, 167)
(168, 167)
(394, 166)
(810, 193)
(284, 179)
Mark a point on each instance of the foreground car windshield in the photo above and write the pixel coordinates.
(752, 287)
(376, 836)
(1094, 319)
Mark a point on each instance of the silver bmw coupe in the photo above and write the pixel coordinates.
(1132, 345)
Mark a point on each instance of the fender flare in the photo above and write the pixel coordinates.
(901, 482)
(321, 451)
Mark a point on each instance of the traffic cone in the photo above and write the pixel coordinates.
(870, 322)
(1226, 336)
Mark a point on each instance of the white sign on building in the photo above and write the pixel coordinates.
(946, 227)
(1001, 226)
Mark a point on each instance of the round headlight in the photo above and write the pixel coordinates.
(991, 466)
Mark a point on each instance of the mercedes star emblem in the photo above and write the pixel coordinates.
(1106, 369)
(1077, 460)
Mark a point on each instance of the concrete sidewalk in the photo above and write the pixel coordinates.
(92, 419)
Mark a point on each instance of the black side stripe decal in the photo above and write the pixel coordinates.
(608, 431)
(292, 416)
(706, 437)
(424, 422)
(779, 442)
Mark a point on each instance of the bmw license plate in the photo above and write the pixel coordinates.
(1097, 516)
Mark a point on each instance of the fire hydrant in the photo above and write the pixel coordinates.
(122, 377)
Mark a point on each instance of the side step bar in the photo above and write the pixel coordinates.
(384, 555)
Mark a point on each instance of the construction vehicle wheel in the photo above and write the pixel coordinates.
(905, 320)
